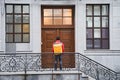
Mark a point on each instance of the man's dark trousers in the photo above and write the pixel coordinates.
(58, 58)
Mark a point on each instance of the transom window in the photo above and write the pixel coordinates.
(57, 16)
(97, 26)
(17, 23)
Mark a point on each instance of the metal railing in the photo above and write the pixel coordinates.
(95, 69)
(25, 62)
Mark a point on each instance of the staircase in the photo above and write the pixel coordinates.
(27, 66)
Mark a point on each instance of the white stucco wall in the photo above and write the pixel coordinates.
(110, 58)
(102, 56)
(116, 26)
(2, 24)
(34, 45)
(35, 27)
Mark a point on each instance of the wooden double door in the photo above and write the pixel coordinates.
(61, 22)
(49, 36)
(67, 37)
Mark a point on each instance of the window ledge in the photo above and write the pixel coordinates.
(104, 52)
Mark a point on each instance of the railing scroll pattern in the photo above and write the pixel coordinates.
(95, 69)
(32, 62)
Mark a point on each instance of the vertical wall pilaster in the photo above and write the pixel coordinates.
(2, 25)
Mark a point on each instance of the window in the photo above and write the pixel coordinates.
(57, 16)
(97, 26)
(17, 23)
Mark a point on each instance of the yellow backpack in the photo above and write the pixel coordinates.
(57, 48)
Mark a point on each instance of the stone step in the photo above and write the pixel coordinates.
(45, 75)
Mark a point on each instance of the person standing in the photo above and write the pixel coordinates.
(58, 49)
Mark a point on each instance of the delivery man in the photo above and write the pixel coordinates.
(58, 49)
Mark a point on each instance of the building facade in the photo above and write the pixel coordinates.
(89, 27)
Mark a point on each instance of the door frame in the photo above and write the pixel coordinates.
(58, 26)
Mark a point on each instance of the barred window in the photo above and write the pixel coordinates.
(97, 26)
(17, 23)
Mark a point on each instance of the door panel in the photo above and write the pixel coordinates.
(57, 21)
(67, 37)
(48, 37)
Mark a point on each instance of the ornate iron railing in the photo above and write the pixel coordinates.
(95, 69)
(19, 62)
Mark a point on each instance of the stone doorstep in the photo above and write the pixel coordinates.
(46, 73)
(54, 72)
(40, 72)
